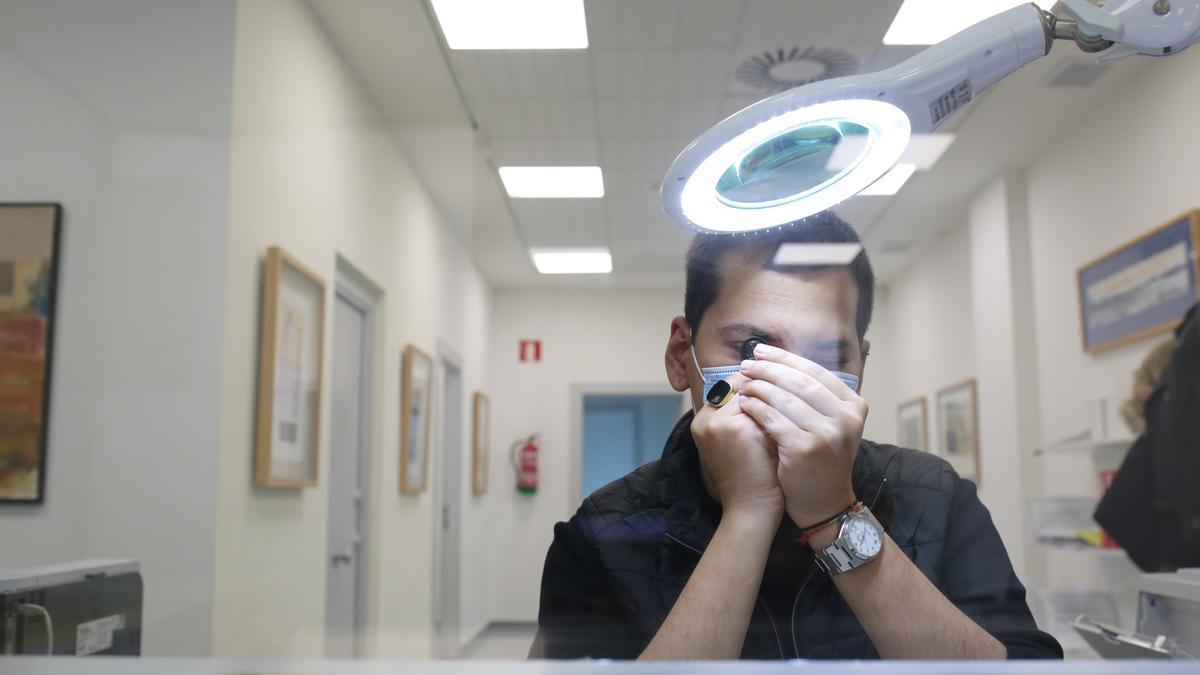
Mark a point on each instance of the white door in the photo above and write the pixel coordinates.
(348, 461)
(446, 618)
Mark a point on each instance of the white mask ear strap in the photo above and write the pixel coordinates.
(698, 368)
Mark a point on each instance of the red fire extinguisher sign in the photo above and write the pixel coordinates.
(530, 351)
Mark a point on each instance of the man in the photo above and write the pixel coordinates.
(769, 529)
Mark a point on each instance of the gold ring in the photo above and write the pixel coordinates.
(721, 393)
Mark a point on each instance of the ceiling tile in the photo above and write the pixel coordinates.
(510, 122)
(604, 28)
(634, 66)
(577, 69)
(664, 21)
(535, 115)
(692, 29)
(634, 17)
(552, 75)
(725, 17)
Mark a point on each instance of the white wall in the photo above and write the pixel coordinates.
(922, 338)
(316, 171)
(1123, 169)
(1005, 371)
(1119, 171)
(588, 337)
(117, 112)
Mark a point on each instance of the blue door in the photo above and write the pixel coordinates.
(622, 432)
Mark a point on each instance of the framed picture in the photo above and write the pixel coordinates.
(912, 429)
(290, 367)
(479, 443)
(29, 235)
(958, 428)
(415, 402)
(1142, 288)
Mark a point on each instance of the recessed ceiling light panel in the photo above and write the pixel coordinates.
(553, 182)
(572, 260)
(927, 22)
(512, 24)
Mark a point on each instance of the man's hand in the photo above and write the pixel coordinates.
(816, 422)
(738, 458)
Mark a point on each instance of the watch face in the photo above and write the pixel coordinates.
(864, 538)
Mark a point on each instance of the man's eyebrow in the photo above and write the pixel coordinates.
(741, 328)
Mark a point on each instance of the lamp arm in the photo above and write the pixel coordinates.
(931, 86)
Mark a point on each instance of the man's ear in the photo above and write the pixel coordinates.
(678, 357)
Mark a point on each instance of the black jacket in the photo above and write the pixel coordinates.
(617, 567)
(1152, 508)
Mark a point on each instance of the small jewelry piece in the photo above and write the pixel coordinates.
(721, 393)
(806, 533)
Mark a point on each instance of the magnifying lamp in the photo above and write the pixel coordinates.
(808, 149)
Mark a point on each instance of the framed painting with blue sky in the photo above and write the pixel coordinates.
(1141, 289)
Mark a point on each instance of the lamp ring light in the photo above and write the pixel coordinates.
(805, 150)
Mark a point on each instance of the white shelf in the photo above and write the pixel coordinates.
(1083, 443)
(1082, 546)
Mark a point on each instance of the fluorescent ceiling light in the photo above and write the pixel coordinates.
(927, 22)
(891, 182)
(512, 24)
(924, 150)
(821, 255)
(572, 260)
(553, 182)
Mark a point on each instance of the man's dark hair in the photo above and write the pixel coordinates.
(708, 250)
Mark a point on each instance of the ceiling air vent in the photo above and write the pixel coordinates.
(1078, 75)
(781, 69)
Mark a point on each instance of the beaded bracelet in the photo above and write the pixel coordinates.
(807, 533)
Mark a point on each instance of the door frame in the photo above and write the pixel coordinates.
(366, 296)
(446, 355)
(579, 390)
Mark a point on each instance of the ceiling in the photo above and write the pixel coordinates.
(656, 74)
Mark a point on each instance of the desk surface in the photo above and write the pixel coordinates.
(151, 666)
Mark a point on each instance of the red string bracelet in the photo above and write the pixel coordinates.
(807, 533)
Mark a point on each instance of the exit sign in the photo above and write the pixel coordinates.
(531, 351)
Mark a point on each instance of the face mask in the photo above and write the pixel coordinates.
(714, 375)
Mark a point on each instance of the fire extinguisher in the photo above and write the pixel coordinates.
(524, 461)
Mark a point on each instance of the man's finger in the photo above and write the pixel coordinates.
(781, 429)
(799, 383)
(795, 408)
(814, 370)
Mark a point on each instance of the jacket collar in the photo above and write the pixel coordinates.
(692, 515)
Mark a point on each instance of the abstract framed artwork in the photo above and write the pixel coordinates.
(290, 376)
(958, 428)
(416, 399)
(912, 429)
(29, 240)
(1142, 288)
(481, 418)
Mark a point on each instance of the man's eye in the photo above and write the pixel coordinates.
(748, 348)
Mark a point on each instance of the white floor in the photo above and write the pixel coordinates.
(502, 642)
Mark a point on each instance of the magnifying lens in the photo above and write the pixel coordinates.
(808, 149)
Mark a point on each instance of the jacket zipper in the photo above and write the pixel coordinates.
(796, 602)
(774, 628)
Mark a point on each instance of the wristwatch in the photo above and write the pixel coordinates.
(859, 541)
